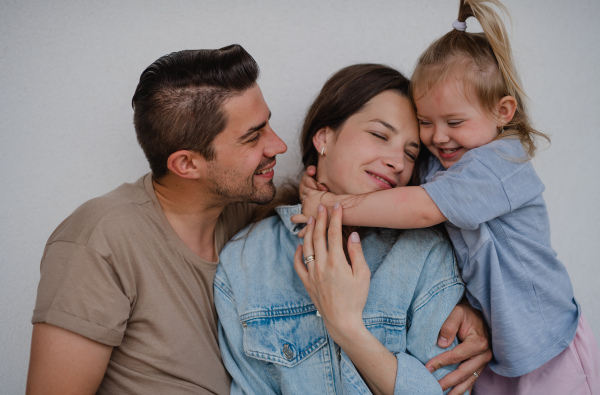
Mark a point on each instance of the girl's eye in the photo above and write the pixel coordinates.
(454, 123)
(424, 123)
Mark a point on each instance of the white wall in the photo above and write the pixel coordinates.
(68, 69)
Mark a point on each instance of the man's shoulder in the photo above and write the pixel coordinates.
(104, 214)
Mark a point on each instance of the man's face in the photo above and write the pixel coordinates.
(242, 169)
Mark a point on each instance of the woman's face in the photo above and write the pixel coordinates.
(375, 149)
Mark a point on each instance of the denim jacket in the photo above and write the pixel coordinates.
(273, 340)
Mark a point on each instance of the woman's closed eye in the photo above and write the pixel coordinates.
(411, 155)
(379, 135)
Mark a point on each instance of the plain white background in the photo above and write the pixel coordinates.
(68, 70)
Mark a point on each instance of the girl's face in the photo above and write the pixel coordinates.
(375, 149)
(451, 125)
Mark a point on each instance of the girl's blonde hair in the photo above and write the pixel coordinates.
(483, 63)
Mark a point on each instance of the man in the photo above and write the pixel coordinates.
(125, 301)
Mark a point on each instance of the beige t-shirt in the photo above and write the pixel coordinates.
(116, 272)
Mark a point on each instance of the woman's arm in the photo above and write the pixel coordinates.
(339, 291)
(63, 362)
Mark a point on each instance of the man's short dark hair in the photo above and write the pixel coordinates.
(178, 101)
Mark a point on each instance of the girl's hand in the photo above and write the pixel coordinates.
(309, 185)
(338, 290)
(310, 207)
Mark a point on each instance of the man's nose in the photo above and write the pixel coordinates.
(274, 145)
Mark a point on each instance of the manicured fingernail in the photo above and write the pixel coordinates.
(442, 339)
(336, 205)
(354, 237)
(310, 220)
(321, 208)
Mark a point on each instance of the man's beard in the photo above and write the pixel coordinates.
(235, 187)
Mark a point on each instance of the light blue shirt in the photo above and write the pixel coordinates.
(272, 340)
(498, 223)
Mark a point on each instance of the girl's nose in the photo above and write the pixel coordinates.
(440, 136)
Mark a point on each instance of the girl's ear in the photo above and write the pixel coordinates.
(186, 164)
(506, 110)
(320, 139)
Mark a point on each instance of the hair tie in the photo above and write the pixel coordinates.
(460, 26)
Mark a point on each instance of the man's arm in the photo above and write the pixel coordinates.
(63, 362)
(473, 353)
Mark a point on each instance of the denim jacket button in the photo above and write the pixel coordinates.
(244, 325)
(287, 352)
(318, 314)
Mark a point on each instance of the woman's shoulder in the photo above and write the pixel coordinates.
(263, 238)
(425, 238)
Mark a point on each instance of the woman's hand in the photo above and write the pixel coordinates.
(339, 292)
(473, 353)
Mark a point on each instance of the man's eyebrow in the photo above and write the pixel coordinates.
(254, 129)
(394, 130)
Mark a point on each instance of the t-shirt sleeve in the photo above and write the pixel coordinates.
(474, 191)
(79, 291)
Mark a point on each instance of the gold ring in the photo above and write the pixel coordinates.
(309, 258)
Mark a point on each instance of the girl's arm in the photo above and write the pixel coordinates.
(399, 208)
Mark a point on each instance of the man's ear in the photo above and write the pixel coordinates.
(186, 164)
(321, 138)
(506, 110)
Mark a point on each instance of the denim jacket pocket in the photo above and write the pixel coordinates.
(391, 332)
(285, 337)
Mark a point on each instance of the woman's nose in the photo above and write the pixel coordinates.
(395, 162)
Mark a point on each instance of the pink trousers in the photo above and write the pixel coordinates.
(575, 371)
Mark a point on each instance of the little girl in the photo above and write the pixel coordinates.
(480, 182)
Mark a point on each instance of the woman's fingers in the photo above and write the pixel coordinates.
(308, 247)
(334, 234)
(319, 240)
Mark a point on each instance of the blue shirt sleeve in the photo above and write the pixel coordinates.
(486, 183)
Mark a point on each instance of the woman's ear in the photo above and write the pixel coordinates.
(320, 139)
(186, 164)
(506, 110)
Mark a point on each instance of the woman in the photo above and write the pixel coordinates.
(362, 135)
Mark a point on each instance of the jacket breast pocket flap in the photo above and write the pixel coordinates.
(391, 332)
(285, 339)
